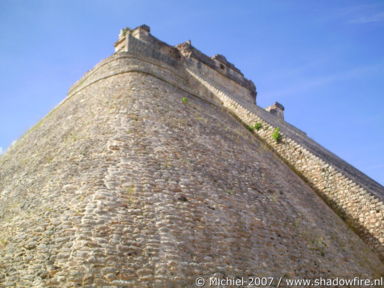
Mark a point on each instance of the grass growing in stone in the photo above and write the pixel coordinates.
(230, 192)
(131, 189)
(184, 100)
(276, 135)
(318, 245)
(258, 126)
(3, 243)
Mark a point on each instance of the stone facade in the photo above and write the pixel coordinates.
(355, 198)
(145, 177)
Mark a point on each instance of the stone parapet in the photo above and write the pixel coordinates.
(140, 41)
(219, 64)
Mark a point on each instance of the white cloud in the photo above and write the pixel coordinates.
(373, 18)
(374, 167)
(310, 83)
(363, 14)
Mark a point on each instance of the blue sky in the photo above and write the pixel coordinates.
(323, 60)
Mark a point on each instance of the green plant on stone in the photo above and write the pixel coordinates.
(276, 135)
(258, 126)
(231, 192)
(3, 243)
(250, 128)
(184, 100)
(318, 245)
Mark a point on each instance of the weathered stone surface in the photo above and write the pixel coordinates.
(356, 198)
(126, 185)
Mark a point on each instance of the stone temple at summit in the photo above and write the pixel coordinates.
(159, 169)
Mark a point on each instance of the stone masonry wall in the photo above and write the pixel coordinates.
(140, 42)
(221, 80)
(220, 66)
(124, 185)
(356, 199)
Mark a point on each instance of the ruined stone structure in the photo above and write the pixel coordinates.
(147, 176)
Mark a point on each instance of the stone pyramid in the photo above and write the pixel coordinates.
(144, 176)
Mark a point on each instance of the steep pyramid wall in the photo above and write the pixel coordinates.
(140, 178)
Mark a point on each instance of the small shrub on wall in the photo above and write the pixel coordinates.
(276, 135)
